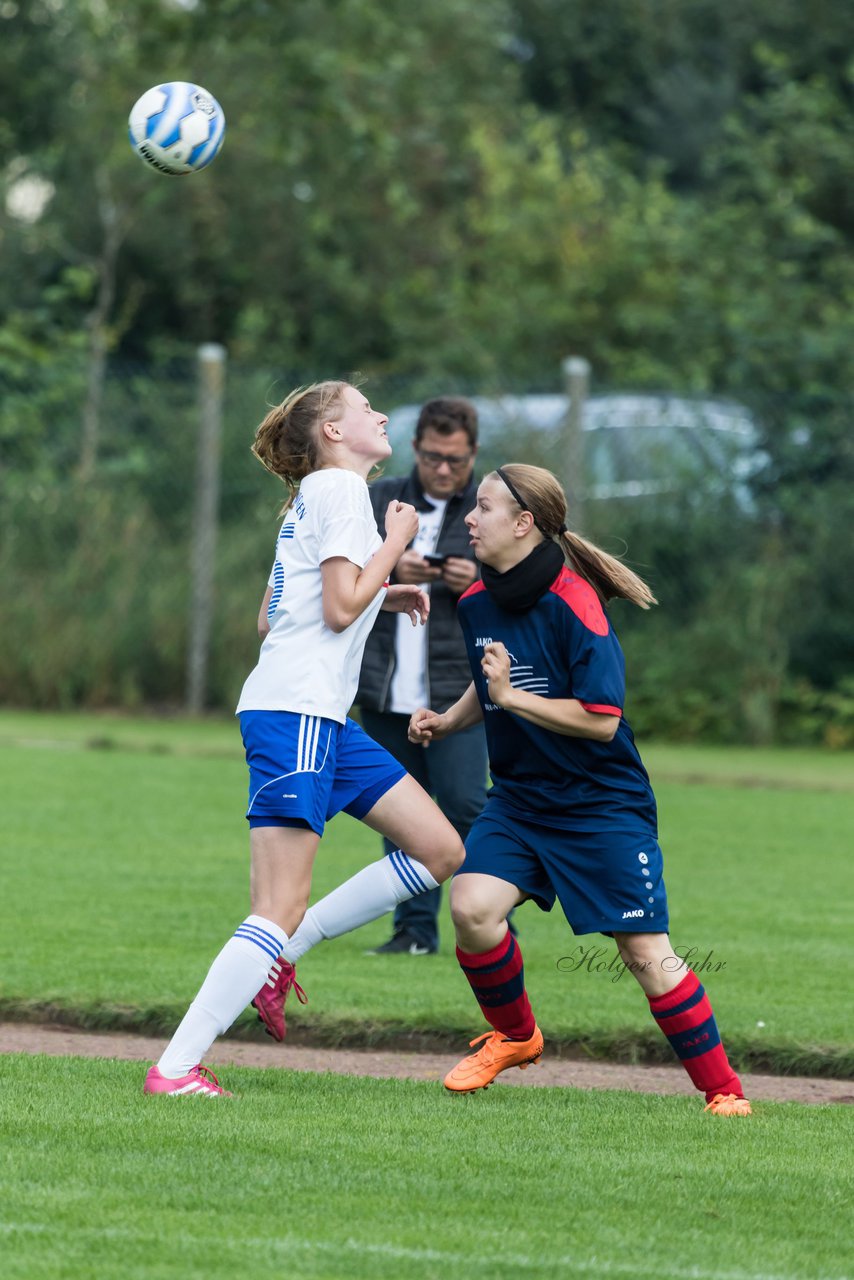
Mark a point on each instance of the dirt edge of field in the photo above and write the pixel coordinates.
(58, 1041)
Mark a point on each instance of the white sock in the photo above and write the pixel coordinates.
(235, 977)
(366, 896)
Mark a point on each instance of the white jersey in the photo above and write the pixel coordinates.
(303, 666)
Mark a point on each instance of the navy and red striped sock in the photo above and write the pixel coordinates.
(497, 978)
(686, 1018)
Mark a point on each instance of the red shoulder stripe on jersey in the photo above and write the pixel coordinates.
(472, 590)
(602, 711)
(582, 600)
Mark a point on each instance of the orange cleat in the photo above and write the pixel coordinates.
(728, 1104)
(478, 1070)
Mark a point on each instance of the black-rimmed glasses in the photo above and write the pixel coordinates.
(456, 461)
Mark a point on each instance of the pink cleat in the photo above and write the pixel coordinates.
(270, 1000)
(200, 1082)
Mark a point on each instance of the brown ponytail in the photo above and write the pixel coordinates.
(538, 491)
(287, 442)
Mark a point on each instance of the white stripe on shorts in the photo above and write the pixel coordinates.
(307, 745)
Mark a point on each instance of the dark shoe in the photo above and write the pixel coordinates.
(402, 943)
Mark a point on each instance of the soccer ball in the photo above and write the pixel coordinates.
(176, 127)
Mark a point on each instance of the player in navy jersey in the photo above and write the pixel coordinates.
(307, 760)
(571, 814)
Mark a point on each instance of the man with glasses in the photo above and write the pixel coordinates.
(406, 667)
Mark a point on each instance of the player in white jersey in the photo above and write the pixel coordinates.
(307, 760)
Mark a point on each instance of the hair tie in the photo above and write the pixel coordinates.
(562, 530)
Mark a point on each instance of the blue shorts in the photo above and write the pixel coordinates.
(305, 769)
(607, 881)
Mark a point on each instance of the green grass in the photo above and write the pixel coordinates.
(129, 868)
(324, 1177)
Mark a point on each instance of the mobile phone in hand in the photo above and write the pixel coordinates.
(435, 561)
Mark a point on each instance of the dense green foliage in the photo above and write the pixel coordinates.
(455, 195)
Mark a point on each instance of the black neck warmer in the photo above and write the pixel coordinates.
(520, 588)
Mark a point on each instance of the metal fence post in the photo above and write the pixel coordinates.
(211, 365)
(576, 377)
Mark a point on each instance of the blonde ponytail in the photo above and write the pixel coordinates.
(608, 576)
(538, 491)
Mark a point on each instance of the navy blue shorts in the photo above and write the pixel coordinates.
(607, 881)
(305, 769)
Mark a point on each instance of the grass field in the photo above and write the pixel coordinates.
(126, 844)
(125, 867)
(322, 1176)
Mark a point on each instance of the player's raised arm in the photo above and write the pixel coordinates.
(347, 589)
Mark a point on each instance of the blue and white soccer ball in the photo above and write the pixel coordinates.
(176, 127)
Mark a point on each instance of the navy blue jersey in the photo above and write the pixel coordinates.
(564, 647)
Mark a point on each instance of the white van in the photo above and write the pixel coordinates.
(634, 446)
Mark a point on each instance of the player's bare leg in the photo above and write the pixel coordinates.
(282, 859)
(650, 958)
(430, 850)
(280, 884)
(480, 906)
(408, 817)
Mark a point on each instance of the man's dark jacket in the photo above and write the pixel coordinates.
(448, 670)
